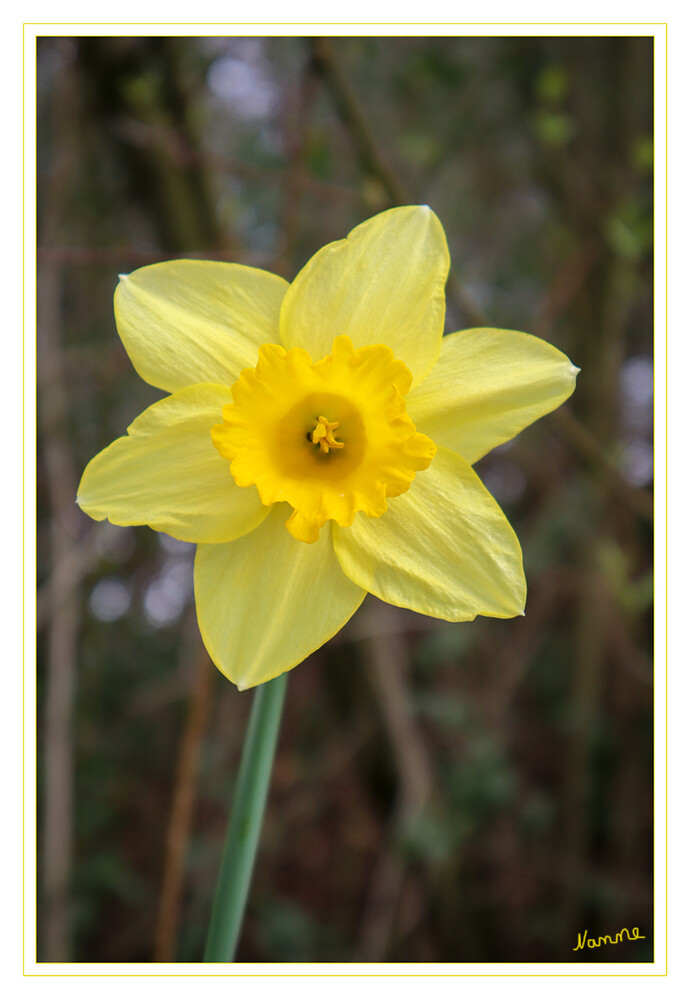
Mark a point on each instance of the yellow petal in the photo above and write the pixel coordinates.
(383, 284)
(486, 387)
(444, 548)
(189, 321)
(266, 601)
(166, 473)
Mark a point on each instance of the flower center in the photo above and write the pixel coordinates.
(322, 435)
(275, 441)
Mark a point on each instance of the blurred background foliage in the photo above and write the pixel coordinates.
(472, 792)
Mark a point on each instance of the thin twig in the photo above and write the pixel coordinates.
(62, 636)
(511, 658)
(119, 256)
(567, 285)
(388, 658)
(299, 101)
(145, 136)
(590, 451)
(68, 574)
(182, 808)
(371, 156)
(63, 633)
(586, 695)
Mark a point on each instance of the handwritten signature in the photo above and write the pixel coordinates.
(582, 938)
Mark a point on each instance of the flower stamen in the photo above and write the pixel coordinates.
(322, 435)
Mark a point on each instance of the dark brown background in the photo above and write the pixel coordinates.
(477, 792)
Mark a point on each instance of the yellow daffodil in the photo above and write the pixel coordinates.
(318, 438)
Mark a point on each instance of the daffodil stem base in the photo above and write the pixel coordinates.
(245, 824)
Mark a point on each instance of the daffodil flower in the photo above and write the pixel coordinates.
(318, 439)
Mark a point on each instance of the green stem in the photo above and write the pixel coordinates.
(245, 825)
